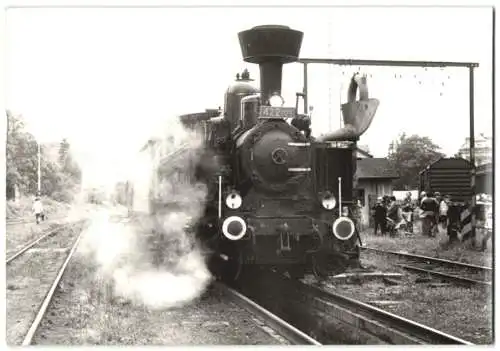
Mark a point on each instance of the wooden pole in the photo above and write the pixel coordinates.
(472, 150)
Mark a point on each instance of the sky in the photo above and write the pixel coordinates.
(110, 78)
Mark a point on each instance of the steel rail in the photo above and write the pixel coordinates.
(448, 277)
(48, 298)
(431, 259)
(31, 244)
(29, 220)
(406, 328)
(289, 332)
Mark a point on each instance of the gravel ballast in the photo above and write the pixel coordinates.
(29, 277)
(130, 285)
(465, 312)
(85, 311)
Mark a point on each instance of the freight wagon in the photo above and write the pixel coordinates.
(448, 176)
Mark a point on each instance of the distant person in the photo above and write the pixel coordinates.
(408, 200)
(38, 210)
(379, 216)
(421, 198)
(430, 208)
(393, 213)
(407, 211)
(453, 216)
(443, 211)
(358, 214)
(438, 197)
(386, 201)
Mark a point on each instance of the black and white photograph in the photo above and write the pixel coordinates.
(208, 175)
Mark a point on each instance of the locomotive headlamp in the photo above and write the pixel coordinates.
(343, 228)
(233, 200)
(345, 211)
(276, 100)
(328, 201)
(234, 228)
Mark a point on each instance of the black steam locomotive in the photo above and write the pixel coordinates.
(277, 196)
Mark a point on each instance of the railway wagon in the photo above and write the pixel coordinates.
(451, 176)
(276, 195)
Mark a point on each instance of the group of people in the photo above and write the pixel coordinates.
(388, 214)
(435, 211)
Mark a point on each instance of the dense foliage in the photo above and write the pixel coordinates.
(409, 155)
(59, 180)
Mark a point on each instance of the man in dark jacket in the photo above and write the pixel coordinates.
(393, 210)
(430, 208)
(380, 213)
(454, 225)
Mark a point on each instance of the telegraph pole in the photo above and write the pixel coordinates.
(39, 170)
(330, 73)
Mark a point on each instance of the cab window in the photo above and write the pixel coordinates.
(249, 114)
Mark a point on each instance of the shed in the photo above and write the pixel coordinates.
(374, 179)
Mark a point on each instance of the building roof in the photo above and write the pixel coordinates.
(375, 168)
(363, 152)
(448, 162)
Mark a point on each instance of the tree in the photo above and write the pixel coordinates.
(21, 155)
(63, 151)
(58, 180)
(410, 155)
(68, 165)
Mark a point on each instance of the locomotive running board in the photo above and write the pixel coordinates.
(299, 169)
(299, 144)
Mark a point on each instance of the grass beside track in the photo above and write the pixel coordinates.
(438, 246)
(465, 312)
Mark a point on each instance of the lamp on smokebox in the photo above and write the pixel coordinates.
(276, 100)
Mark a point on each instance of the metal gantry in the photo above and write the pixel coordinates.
(398, 63)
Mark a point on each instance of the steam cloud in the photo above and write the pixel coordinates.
(153, 260)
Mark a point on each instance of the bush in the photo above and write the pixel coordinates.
(23, 207)
(63, 196)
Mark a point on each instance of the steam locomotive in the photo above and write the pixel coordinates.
(277, 196)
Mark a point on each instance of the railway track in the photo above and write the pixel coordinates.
(386, 326)
(451, 271)
(31, 244)
(30, 220)
(339, 317)
(292, 334)
(48, 298)
(41, 332)
(30, 277)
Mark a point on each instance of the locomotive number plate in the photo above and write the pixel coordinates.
(277, 112)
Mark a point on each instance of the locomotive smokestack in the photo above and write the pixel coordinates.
(270, 46)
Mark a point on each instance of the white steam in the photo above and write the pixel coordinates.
(153, 260)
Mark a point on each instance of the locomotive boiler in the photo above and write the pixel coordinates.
(277, 195)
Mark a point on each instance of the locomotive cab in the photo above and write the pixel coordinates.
(249, 111)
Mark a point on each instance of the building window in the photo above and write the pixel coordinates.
(380, 189)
